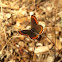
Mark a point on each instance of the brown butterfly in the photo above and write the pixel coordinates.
(35, 30)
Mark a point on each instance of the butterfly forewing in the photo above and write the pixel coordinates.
(29, 33)
(33, 21)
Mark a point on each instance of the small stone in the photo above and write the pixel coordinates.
(18, 24)
(22, 37)
(21, 43)
(31, 44)
(31, 13)
(8, 15)
(56, 32)
(27, 39)
(28, 27)
(17, 45)
(31, 48)
(11, 50)
(49, 8)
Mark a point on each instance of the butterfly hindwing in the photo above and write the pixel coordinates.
(29, 33)
(34, 25)
(38, 29)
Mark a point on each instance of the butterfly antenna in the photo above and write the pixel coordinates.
(53, 43)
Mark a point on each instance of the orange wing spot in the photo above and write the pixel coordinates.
(34, 19)
(35, 37)
(22, 33)
(41, 30)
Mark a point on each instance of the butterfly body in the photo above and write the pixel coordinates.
(35, 30)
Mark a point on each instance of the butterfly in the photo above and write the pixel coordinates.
(35, 30)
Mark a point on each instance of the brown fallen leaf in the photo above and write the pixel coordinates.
(42, 49)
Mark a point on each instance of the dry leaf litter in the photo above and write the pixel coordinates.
(15, 15)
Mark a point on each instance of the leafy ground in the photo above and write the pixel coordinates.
(15, 15)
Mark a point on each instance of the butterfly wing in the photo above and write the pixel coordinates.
(38, 29)
(33, 21)
(34, 25)
(29, 33)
